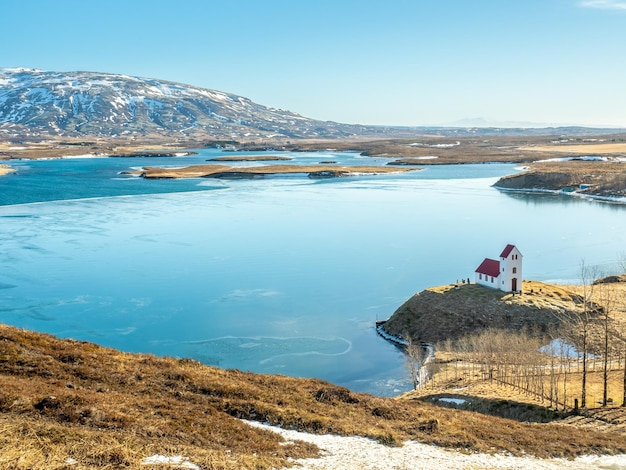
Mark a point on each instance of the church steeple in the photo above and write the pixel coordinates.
(511, 269)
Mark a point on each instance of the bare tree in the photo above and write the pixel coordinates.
(565, 365)
(607, 300)
(620, 333)
(624, 393)
(413, 360)
(579, 321)
(622, 265)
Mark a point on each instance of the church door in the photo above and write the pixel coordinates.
(514, 284)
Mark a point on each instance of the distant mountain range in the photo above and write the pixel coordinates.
(39, 104)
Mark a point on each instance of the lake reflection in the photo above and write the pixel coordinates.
(277, 275)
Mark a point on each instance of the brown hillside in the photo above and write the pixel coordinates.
(64, 399)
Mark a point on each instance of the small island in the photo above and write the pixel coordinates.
(250, 158)
(223, 171)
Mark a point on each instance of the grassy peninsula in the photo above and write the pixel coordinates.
(510, 355)
(453, 311)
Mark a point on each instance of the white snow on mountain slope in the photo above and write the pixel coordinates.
(81, 103)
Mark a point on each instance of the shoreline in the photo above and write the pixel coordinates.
(427, 356)
(395, 340)
(559, 192)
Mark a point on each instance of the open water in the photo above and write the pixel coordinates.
(279, 275)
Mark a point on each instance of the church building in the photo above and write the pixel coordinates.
(504, 274)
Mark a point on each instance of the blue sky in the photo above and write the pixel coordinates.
(394, 62)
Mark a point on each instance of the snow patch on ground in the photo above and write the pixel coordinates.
(560, 347)
(172, 461)
(359, 453)
(456, 401)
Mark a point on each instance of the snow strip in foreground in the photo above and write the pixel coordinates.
(359, 453)
(176, 461)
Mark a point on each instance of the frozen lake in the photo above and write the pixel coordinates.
(279, 275)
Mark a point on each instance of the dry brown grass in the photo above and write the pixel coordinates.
(106, 409)
(580, 149)
(469, 150)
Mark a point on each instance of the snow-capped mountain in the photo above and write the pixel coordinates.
(39, 103)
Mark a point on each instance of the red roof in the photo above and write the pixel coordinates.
(507, 251)
(490, 267)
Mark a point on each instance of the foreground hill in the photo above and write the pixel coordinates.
(68, 401)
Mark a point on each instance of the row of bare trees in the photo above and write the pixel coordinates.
(559, 371)
(594, 328)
